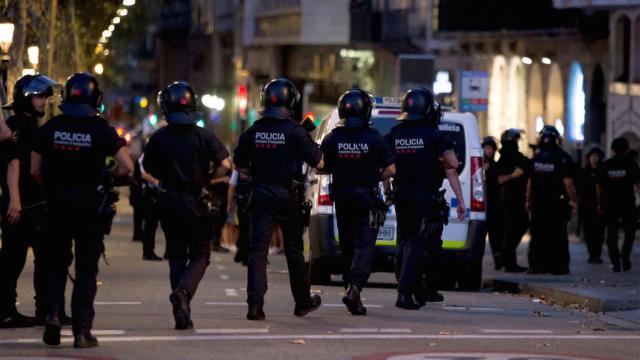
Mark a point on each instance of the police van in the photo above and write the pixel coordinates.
(463, 241)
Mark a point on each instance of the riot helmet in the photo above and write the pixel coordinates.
(490, 141)
(278, 99)
(595, 149)
(31, 85)
(82, 96)
(178, 103)
(509, 140)
(419, 104)
(354, 108)
(549, 137)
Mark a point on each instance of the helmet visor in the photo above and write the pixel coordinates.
(42, 85)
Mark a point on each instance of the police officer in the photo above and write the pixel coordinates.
(69, 158)
(23, 206)
(218, 190)
(618, 177)
(273, 151)
(551, 199)
(150, 198)
(180, 155)
(494, 220)
(592, 222)
(239, 192)
(423, 159)
(358, 158)
(513, 172)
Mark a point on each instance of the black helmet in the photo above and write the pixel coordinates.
(549, 136)
(27, 86)
(490, 141)
(620, 145)
(420, 104)
(82, 96)
(178, 103)
(595, 149)
(278, 99)
(509, 140)
(354, 108)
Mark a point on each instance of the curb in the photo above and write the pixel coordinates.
(579, 297)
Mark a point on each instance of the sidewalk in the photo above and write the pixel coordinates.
(589, 286)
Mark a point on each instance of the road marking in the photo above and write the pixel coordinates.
(232, 331)
(95, 332)
(221, 267)
(231, 292)
(375, 330)
(117, 303)
(462, 308)
(515, 331)
(226, 303)
(342, 305)
(240, 337)
(224, 277)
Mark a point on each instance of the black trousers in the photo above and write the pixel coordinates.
(270, 207)
(549, 245)
(31, 231)
(357, 238)
(187, 231)
(136, 200)
(593, 226)
(515, 225)
(417, 257)
(244, 234)
(74, 220)
(151, 221)
(626, 217)
(496, 233)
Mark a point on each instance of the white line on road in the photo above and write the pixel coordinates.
(232, 331)
(515, 331)
(118, 303)
(240, 337)
(95, 332)
(231, 292)
(342, 305)
(222, 303)
(375, 330)
(224, 277)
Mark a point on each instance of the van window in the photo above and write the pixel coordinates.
(454, 133)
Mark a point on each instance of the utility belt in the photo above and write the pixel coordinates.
(301, 205)
(377, 213)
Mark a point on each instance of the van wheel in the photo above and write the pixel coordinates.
(319, 272)
(471, 278)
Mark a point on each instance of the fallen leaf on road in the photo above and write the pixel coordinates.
(539, 314)
(316, 291)
(297, 342)
(537, 300)
(432, 344)
(598, 329)
(99, 283)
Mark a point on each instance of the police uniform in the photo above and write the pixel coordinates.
(274, 149)
(592, 222)
(179, 156)
(241, 197)
(355, 154)
(32, 228)
(550, 210)
(150, 198)
(418, 145)
(73, 148)
(494, 220)
(515, 218)
(618, 177)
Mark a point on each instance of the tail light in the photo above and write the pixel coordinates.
(324, 199)
(477, 184)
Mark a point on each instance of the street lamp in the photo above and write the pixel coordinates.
(128, 2)
(33, 52)
(6, 37)
(99, 69)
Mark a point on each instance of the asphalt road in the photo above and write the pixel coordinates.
(134, 321)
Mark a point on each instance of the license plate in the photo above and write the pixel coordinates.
(386, 233)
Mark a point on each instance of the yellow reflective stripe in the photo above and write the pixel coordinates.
(453, 244)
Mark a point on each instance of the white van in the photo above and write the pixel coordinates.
(463, 241)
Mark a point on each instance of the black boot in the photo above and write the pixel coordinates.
(515, 268)
(255, 313)
(406, 302)
(353, 302)
(16, 320)
(85, 341)
(181, 309)
(51, 334)
(432, 295)
(151, 257)
(626, 263)
(313, 305)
